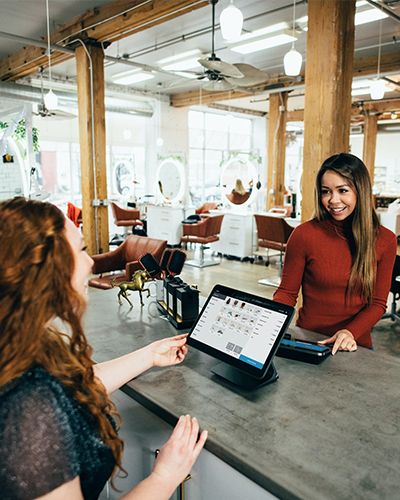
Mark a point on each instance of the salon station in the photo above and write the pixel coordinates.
(183, 139)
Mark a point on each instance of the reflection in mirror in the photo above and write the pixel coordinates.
(238, 178)
(170, 180)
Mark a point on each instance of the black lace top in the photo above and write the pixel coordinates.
(46, 439)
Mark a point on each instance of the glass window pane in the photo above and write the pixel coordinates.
(240, 125)
(196, 138)
(196, 119)
(239, 142)
(216, 139)
(212, 175)
(216, 122)
(196, 175)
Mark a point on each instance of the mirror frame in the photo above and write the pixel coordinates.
(254, 177)
(181, 171)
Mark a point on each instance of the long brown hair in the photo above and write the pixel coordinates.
(36, 264)
(365, 222)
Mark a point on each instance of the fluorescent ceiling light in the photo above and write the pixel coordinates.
(302, 22)
(182, 65)
(191, 76)
(134, 76)
(262, 31)
(361, 84)
(265, 43)
(177, 57)
(367, 16)
(362, 91)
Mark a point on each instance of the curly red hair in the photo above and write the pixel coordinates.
(35, 288)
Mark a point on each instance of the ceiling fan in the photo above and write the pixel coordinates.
(225, 76)
(44, 112)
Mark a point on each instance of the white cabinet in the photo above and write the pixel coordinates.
(237, 235)
(211, 478)
(165, 223)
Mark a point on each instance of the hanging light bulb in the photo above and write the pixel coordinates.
(377, 87)
(293, 60)
(231, 22)
(50, 100)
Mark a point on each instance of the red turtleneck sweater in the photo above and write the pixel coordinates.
(318, 259)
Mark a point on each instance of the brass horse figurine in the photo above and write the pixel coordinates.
(139, 278)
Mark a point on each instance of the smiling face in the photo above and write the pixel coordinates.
(337, 196)
(83, 262)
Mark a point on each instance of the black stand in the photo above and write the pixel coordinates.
(242, 379)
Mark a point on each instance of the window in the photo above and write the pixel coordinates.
(212, 137)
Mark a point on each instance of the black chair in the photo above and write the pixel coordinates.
(394, 314)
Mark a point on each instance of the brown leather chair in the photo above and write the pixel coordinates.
(273, 233)
(125, 217)
(74, 213)
(203, 232)
(206, 207)
(125, 258)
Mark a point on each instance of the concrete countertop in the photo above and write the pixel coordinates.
(328, 431)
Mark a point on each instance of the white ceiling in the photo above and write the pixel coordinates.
(28, 18)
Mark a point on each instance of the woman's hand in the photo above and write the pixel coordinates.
(169, 351)
(177, 456)
(343, 340)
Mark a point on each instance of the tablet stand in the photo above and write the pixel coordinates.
(243, 380)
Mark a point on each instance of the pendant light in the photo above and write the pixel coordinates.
(231, 22)
(377, 87)
(293, 59)
(50, 99)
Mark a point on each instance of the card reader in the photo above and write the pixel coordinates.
(303, 350)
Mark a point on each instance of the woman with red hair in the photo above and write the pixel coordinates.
(58, 437)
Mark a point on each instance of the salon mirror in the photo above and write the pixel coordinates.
(170, 180)
(238, 182)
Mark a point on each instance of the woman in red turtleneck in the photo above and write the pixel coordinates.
(342, 259)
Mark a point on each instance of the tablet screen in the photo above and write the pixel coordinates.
(240, 328)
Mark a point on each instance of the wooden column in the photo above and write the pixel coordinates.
(276, 148)
(329, 71)
(369, 147)
(92, 135)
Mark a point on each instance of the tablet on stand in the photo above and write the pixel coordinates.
(243, 332)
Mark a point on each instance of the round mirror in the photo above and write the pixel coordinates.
(238, 182)
(171, 180)
(124, 174)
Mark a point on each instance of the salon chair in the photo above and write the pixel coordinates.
(124, 259)
(74, 213)
(203, 232)
(206, 207)
(125, 217)
(394, 314)
(273, 233)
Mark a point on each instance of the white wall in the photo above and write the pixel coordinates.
(387, 155)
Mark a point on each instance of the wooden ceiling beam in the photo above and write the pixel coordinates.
(358, 109)
(297, 115)
(111, 22)
(204, 97)
(363, 66)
